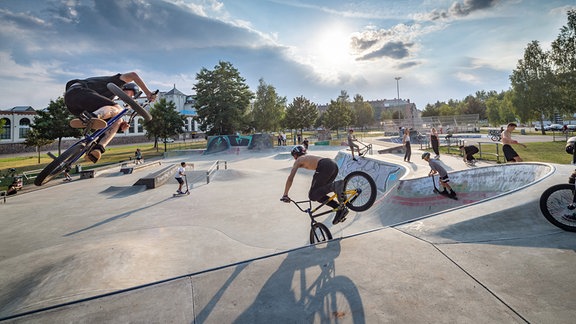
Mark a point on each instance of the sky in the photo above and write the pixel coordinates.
(440, 49)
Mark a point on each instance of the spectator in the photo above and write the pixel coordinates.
(507, 141)
(435, 142)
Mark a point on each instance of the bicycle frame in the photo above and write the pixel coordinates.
(90, 139)
(350, 194)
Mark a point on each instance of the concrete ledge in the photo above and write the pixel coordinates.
(129, 169)
(158, 178)
(87, 174)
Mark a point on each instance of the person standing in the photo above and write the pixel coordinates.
(181, 172)
(138, 156)
(436, 168)
(351, 140)
(406, 142)
(435, 142)
(507, 141)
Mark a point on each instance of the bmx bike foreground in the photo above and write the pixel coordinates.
(90, 138)
(360, 191)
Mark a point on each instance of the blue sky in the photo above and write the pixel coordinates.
(441, 49)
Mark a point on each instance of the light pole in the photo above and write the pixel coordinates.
(397, 92)
(397, 88)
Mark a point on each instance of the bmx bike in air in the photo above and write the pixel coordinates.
(558, 203)
(91, 137)
(360, 191)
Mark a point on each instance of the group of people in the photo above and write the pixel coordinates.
(468, 152)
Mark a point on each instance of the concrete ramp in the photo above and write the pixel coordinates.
(414, 198)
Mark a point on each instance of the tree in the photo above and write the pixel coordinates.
(563, 56)
(53, 123)
(338, 114)
(532, 85)
(166, 122)
(33, 138)
(222, 99)
(363, 112)
(300, 114)
(268, 110)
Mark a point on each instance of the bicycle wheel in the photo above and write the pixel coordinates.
(319, 233)
(365, 189)
(124, 97)
(60, 163)
(337, 300)
(556, 202)
(495, 138)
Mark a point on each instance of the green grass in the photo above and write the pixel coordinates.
(550, 152)
(114, 154)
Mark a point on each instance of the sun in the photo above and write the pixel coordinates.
(332, 47)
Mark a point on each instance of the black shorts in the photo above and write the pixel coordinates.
(444, 179)
(326, 172)
(79, 99)
(509, 152)
(180, 181)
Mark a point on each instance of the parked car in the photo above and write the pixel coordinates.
(546, 128)
(168, 140)
(556, 127)
(571, 127)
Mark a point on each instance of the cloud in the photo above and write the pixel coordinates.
(457, 10)
(394, 50)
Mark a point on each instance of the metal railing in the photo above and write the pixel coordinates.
(215, 167)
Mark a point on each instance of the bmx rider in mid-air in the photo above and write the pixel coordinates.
(92, 96)
(322, 182)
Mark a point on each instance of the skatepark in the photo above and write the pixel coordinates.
(107, 250)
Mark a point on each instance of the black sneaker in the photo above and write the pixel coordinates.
(340, 215)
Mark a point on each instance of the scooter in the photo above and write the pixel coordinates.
(185, 193)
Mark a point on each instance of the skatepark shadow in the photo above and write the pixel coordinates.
(304, 288)
(122, 191)
(120, 216)
(519, 226)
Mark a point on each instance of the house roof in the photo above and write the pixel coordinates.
(174, 92)
(22, 108)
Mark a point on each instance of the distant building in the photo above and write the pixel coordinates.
(16, 123)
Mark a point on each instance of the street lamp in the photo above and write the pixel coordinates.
(397, 88)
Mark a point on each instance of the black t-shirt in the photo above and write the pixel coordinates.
(98, 84)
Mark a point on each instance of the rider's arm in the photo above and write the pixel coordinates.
(133, 76)
(290, 178)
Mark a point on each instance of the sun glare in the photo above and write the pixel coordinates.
(332, 47)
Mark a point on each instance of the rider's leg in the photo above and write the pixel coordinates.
(106, 112)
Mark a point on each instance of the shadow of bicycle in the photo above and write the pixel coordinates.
(305, 288)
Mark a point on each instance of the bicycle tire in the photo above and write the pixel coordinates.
(361, 181)
(60, 163)
(495, 138)
(124, 97)
(337, 300)
(554, 204)
(319, 233)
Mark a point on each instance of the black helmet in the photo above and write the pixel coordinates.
(298, 150)
(131, 86)
(425, 155)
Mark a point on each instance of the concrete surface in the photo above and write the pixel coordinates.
(103, 250)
